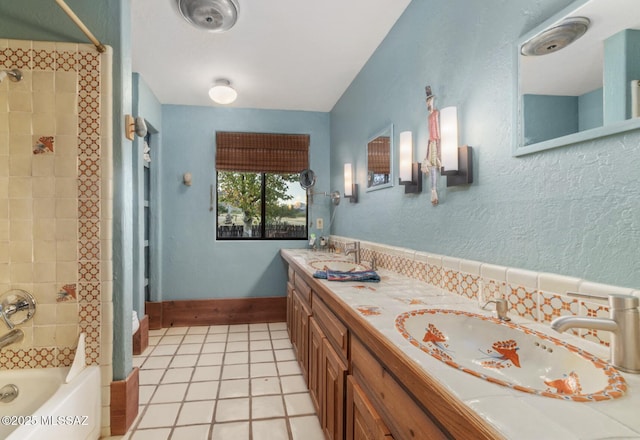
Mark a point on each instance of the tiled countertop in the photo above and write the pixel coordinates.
(514, 414)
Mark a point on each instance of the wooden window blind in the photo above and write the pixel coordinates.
(262, 152)
(378, 155)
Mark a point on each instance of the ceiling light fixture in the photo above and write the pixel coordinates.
(222, 92)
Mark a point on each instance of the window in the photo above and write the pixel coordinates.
(258, 194)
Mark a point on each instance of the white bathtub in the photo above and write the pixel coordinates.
(47, 408)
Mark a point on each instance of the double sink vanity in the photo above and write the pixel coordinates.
(403, 359)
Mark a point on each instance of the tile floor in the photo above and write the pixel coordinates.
(224, 382)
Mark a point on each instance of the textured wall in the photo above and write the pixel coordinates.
(573, 210)
(146, 105)
(194, 264)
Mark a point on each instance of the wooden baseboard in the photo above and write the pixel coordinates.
(124, 402)
(154, 310)
(223, 311)
(141, 337)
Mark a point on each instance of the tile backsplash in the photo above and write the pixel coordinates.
(55, 201)
(532, 295)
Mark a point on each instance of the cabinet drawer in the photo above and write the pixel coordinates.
(302, 288)
(334, 329)
(404, 417)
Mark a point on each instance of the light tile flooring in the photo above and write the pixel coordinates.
(224, 382)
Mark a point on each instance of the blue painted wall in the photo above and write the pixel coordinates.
(621, 66)
(548, 117)
(194, 264)
(590, 110)
(572, 210)
(146, 105)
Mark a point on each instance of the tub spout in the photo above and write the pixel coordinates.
(14, 336)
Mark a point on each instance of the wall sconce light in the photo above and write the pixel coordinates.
(137, 126)
(410, 172)
(457, 162)
(350, 188)
(187, 179)
(222, 92)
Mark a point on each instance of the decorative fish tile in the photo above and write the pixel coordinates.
(44, 145)
(66, 293)
(369, 310)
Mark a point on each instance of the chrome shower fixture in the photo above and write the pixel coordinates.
(14, 75)
(557, 37)
(210, 15)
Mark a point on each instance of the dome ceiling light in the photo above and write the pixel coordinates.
(210, 15)
(222, 92)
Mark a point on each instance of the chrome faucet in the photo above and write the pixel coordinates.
(355, 250)
(623, 323)
(502, 306)
(12, 337)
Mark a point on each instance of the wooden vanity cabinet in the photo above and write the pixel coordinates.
(300, 339)
(360, 386)
(327, 371)
(362, 420)
(334, 375)
(404, 416)
(316, 339)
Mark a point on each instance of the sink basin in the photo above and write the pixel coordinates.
(337, 265)
(511, 355)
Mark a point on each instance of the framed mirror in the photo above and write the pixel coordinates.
(380, 160)
(572, 87)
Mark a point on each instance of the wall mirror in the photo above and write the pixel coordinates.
(573, 91)
(380, 160)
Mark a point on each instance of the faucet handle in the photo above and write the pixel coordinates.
(617, 301)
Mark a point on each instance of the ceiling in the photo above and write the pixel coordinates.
(281, 54)
(578, 68)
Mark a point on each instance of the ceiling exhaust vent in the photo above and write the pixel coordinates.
(556, 38)
(210, 15)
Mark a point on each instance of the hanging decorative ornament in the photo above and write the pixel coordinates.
(432, 162)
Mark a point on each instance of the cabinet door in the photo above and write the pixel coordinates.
(363, 421)
(295, 316)
(316, 338)
(333, 387)
(290, 310)
(302, 325)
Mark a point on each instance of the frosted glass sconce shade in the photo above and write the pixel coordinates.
(350, 188)
(410, 175)
(449, 138)
(457, 162)
(406, 155)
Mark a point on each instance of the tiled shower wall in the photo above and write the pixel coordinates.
(55, 202)
(537, 296)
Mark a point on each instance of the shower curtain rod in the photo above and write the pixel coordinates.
(99, 46)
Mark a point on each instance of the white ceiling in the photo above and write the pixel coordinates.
(281, 54)
(578, 68)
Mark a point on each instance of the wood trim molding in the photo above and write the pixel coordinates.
(154, 311)
(141, 337)
(124, 402)
(224, 311)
